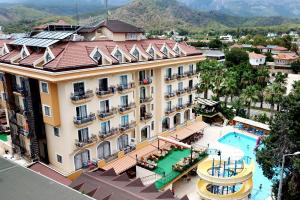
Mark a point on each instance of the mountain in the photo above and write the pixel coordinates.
(285, 8)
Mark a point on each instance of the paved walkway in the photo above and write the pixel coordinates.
(211, 136)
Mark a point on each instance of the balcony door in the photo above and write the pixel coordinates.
(190, 98)
(105, 127)
(81, 112)
(169, 72)
(83, 135)
(124, 100)
(142, 92)
(142, 75)
(122, 142)
(143, 110)
(103, 150)
(124, 80)
(180, 70)
(191, 68)
(79, 88)
(103, 84)
(180, 86)
(124, 120)
(145, 133)
(104, 106)
(190, 83)
(81, 159)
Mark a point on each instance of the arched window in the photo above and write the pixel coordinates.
(81, 159)
(118, 56)
(122, 142)
(177, 119)
(166, 124)
(136, 54)
(187, 115)
(103, 150)
(98, 57)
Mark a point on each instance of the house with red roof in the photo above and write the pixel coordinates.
(256, 59)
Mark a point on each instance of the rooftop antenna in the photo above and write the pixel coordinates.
(106, 8)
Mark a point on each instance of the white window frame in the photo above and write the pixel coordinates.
(41, 87)
(50, 110)
(60, 157)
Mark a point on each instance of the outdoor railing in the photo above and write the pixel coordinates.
(82, 143)
(170, 95)
(77, 96)
(107, 113)
(146, 116)
(146, 99)
(190, 73)
(180, 92)
(78, 120)
(171, 77)
(125, 127)
(108, 133)
(125, 87)
(181, 75)
(20, 89)
(146, 81)
(170, 111)
(124, 108)
(102, 92)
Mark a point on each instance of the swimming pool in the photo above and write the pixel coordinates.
(247, 144)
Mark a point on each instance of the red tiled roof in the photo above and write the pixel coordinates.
(286, 56)
(50, 173)
(279, 49)
(253, 55)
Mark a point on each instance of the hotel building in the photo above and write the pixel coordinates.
(80, 94)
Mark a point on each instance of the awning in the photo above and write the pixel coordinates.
(206, 102)
(129, 160)
(252, 123)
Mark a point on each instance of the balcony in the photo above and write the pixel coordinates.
(180, 107)
(126, 108)
(181, 76)
(104, 115)
(123, 88)
(20, 90)
(147, 116)
(127, 127)
(170, 95)
(108, 134)
(170, 111)
(189, 105)
(146, 81)
(191, 74)
(82, 97)
(79, 144)
(83, 121)
(170, 78)
(191, 89)
(146, 99)
(105, 93)
(181, 92)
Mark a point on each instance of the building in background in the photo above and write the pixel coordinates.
(81, 95)
(256, 59)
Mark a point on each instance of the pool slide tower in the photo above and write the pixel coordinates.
(225, 180)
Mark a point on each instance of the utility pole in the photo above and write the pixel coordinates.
(106, 7)
(77, 14)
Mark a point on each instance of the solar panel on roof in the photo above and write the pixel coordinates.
(34, 42)
(59, 35)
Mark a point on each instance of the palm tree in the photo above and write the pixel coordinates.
(274, 94)
(262, 79)
(248, 96)
(229, 86)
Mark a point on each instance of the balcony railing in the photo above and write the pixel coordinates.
(180, 107)
(82, 143)
(171, 77)
(108, 133)
(170, 111)
(79, 120)
(146, 116)
(107, 113)
(181, 75)
(124, 108)
(169, 95)
(126, 127)
(20, 89)
(146, 81)
(189, 104)
(125, 87)
(78, 96)
(181, 92)
(191, 89)
(191, 73)
(109, 91)
(146, 99)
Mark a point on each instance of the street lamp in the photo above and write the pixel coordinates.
(281, 174)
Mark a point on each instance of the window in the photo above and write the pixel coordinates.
(152, 106)
(124, 80)
(180, 70)
(98, 57)
(151, 52)
(191, 67)
(24, 54)
(169, 105)
(151, 72)
(47, 110)
(152, 90)
(105, 127)
(81, 112)
(103, 150)
(169, 72)
(48, 57)
(179, 101)
(103, 84)
(180, 86)
(124, 100)
(124, 120)
(118, 56)
(136, 54)
(104, 106)
(165, 50)
(82, 159)
(131, 36)
(44, 87)
(78, 88)
(59, 158)
(169, 89)
(152, 125)
(56, 131)
(122, 142)
(83, 135)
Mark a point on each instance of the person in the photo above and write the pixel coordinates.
(235, 135)
(248, 146)
(260, 186)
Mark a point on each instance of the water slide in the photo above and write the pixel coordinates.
(241, 194)
(243, 177)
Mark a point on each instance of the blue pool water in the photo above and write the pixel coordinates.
(247, 144)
